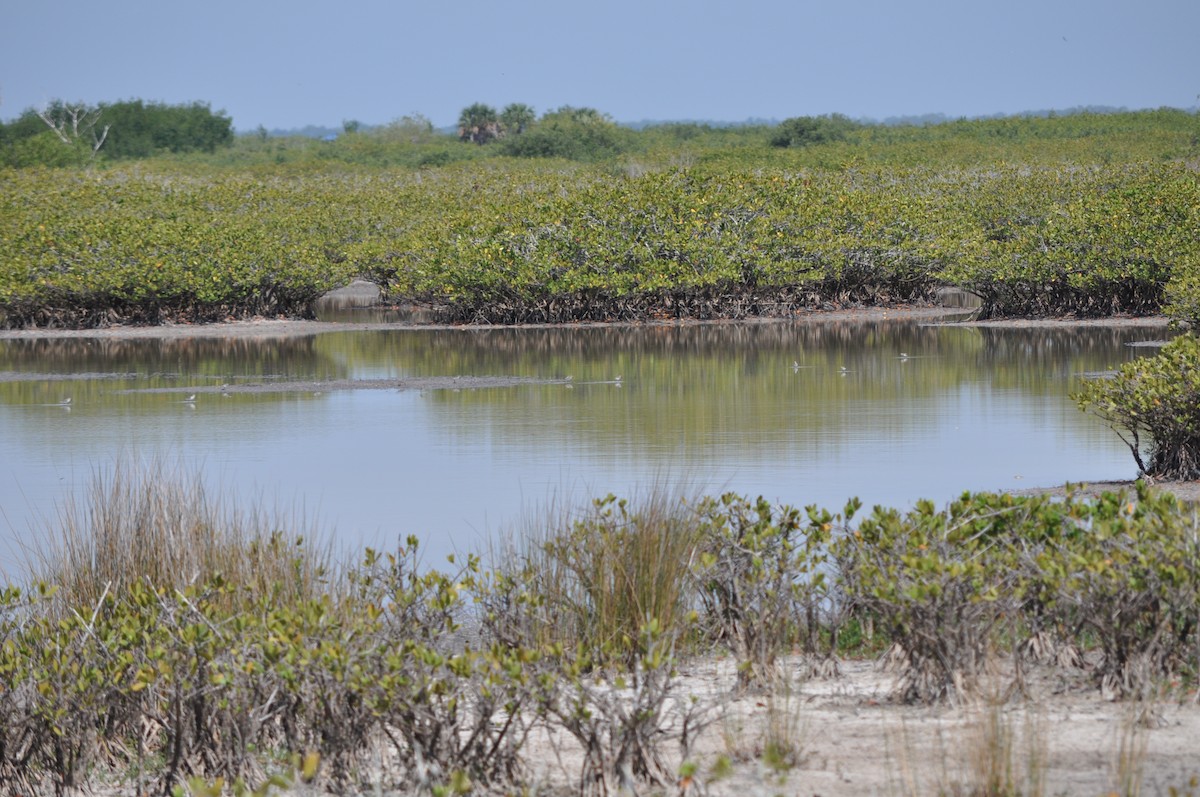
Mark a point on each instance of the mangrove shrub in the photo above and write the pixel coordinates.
(801, 131)
(1156, 398)
(580, 134)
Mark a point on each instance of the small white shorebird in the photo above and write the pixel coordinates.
(190, 399)
(65, 402)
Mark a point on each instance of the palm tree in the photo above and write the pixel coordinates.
(478, 123)
(516, 117)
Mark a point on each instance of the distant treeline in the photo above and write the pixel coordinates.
(65, 134)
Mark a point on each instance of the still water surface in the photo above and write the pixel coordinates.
(806, 413)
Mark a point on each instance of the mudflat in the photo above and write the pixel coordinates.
(848, 738)
(285, 327)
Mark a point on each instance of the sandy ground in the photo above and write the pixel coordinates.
(846, 738)
(851, 739)
(1188, 491)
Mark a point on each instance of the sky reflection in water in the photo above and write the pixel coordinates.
(805, 413)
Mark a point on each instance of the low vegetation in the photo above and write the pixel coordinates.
(514, 244)
(570, 217)
(212, 673)
(1156, 398)
(803, 131)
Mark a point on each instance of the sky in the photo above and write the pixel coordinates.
(285, 65)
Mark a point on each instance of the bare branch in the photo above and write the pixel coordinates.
(57, 125)
(71, 122)
(99, 141)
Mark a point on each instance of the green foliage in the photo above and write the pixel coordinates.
(1132, 581)
(93, 248)
(45, 149)
(938, 584)
(1085, 242)
(578, 134)
(1077, 139)
(119, 130)
(532, 242)
(1156, 397)
(138, 129)
(455, 714)
(202, 687)
(27, 125)
(803, 131)
(955, 587)
(607, 598)
(1183, 291)
(409, 142)
(759, 572)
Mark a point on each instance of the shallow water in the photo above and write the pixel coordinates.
(801, 413)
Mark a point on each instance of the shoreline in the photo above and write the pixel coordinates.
(1185, 491)
(266, 328)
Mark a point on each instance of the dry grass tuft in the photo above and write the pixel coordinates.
(1006, 752)
(158, 524)
(1129, 748)
(598, 575)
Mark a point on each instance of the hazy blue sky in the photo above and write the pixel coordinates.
(288, 64)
